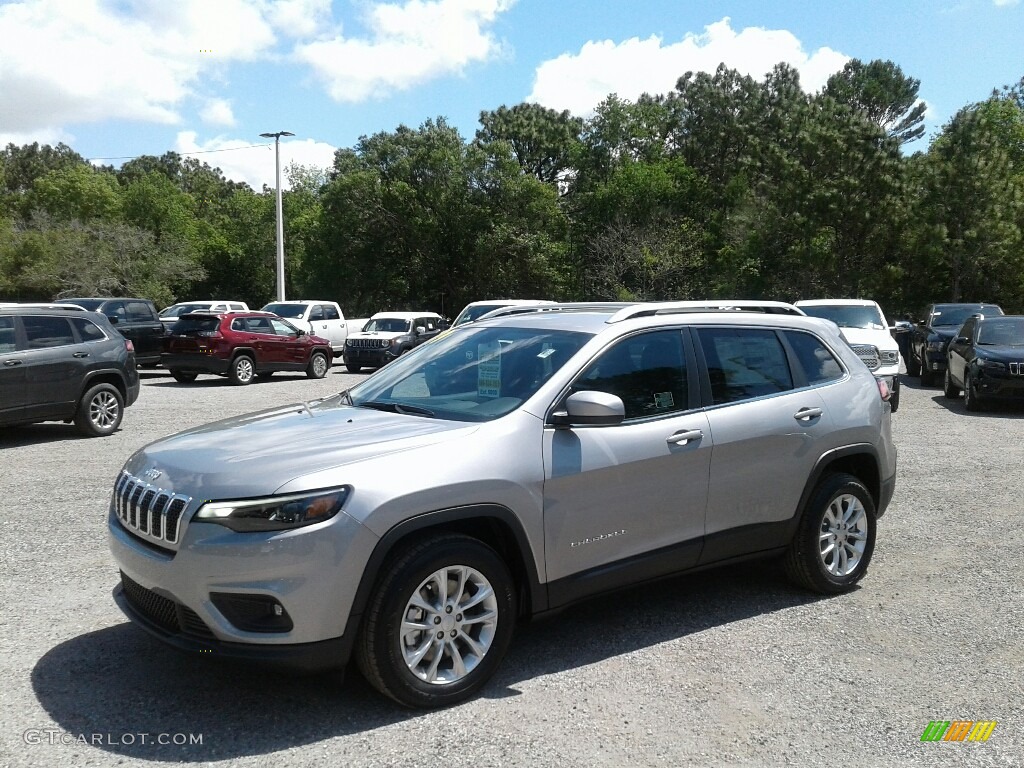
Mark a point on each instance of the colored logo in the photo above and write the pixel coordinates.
(958, 730)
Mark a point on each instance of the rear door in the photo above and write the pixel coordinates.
(53, 364)
(13, 387)
(146, 329)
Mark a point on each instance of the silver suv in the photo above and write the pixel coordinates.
(588, 447)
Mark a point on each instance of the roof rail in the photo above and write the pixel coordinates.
(649, 309)
(568, 306)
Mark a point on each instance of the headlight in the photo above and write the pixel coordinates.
(275, 513)
(889, 356)
(992, 365)
(936, 346)
(397, 341)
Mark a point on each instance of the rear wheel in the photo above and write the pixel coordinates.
(99, 411)
(184, 378)
(438, 623)
(242, 370)
(318, 366)
(949, 389)
(836, 536)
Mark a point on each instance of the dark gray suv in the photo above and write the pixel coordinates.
(64, 365)
(585, 448)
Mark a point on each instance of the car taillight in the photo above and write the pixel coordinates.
(129, 347)
(883, 389)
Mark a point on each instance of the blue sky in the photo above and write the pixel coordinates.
(120, 78)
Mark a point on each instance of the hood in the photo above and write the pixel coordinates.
(944, 332)
(379, 334)
(874, 336)
(255, 454)
(1007, 353)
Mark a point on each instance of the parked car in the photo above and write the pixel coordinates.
(135, 319)
(169, 315)
(583, 451)
(389, 335)
(64, 364)
(933, 333)
(242, 346)
(476, 309)
(863, 325)
(322, 318)
(985, 360)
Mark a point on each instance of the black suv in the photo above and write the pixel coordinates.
(986, 361)
(64, 365)
(135, 319)
(932, 334)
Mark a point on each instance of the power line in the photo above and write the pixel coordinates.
(198, 152)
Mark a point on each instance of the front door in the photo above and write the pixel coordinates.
(52, 362)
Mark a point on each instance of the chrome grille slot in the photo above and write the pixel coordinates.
(869, 354)
(148, 511)
(369, 343)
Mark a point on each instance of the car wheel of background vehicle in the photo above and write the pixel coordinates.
(971, 400)
(353, 368)
(264, 375)
(438, 623)
(242, 370)
(913, 367)
(927, 377)
(99, 411)
(318, 366)
(184, 378)
(835, 538)
(948, 388)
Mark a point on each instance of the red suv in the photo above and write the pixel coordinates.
(241, 345)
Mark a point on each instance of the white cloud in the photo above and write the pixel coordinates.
(579, 82)
(240, 161)
(218, 112)
(409, 44)
(1005, 3)
(68, 61)
(300, 18)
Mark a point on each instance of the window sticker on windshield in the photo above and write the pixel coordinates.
(488, 370)
(664, 400)
(546, 353)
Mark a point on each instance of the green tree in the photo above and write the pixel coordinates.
(882, 94)
(541, 139)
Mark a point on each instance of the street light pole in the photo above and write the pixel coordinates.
(280, 210)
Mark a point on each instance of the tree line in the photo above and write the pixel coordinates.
(726, 186)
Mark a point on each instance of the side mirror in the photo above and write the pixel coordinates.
(601, 409)
(299, 332)
(961, 340)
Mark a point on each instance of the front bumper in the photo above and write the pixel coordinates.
(371, 358)
(1000, 386)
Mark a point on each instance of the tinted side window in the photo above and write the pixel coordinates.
(238, 324)
(330, 313)
(46, 332)
(258, 325)
(744, 363)
(819, 364)
(281, 328)
(647, 372)
(139, 312)
(87, 330)
(316, 313)
(6, 334)
(115, 309)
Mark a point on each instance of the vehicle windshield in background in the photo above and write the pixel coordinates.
(1008, 332)
(294, 311)
(388, 325)
(184, 309)
(847, 316)
(957, 315)
(471, 314)
(475, 375)
(195, 325)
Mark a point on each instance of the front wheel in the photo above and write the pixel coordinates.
(913, 366)
(438, 623)
(243, 370)
(836, 536)
(99, 411)
(949, 389)
(972, 401)
(353, 367)
(318, 366)
(927, 377)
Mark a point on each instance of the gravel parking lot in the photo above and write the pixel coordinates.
(725, 667)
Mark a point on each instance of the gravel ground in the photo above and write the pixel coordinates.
(731, 667)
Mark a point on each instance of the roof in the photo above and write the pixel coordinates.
(404, 315)
(836, 303)
(510, 302)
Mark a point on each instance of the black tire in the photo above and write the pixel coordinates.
(949, 389)
(353, 367)
(242, 371)
(913, 366)
(927, 377)
(972, 401)
(318, 366)
(264, 375)
(184, 378)
(99, 411)
(380, 647)
(805, 562)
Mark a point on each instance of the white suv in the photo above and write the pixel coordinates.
(863, 325)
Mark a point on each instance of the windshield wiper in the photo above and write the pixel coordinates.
(381, 405)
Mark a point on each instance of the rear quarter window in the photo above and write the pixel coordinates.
(818, 363)
(88, 330)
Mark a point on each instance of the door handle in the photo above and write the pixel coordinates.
(684, 436)
(12, 363)
(806, 414)
(80, 354)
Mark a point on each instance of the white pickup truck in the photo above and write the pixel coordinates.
(320, 318)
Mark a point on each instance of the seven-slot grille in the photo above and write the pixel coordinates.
(147, 510)
(369, 343)
(869, 354)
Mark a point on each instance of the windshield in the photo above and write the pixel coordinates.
(1007, 332)
(472, 313)
(293, 311)
(388, 325)
(956, 315)
(476, 375)
(183, 309)
(847, 316)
